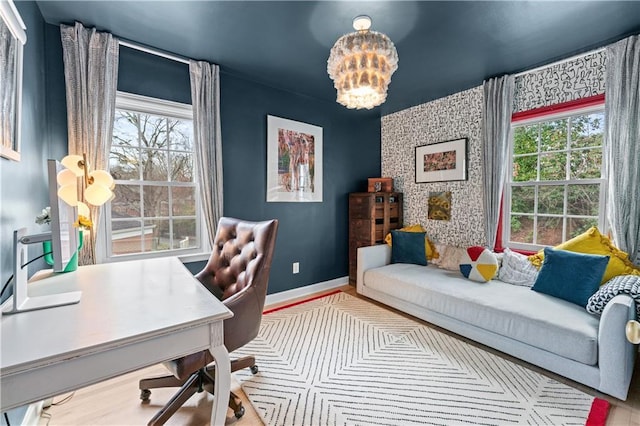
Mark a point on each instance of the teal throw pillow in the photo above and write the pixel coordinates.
(408, 247)
(571, 276)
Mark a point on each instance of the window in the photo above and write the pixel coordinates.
(156, 210)
(555, 190)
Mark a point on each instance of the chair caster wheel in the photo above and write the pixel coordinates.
(239, 413)
(254, 369)
(145, 394)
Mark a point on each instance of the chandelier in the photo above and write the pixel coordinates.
(361, 64)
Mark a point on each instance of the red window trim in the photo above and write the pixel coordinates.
(535, 113)
(563, 107)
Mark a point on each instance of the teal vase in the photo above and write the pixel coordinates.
(73, 262)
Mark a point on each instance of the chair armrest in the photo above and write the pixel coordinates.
(371, 257)
(616, 355)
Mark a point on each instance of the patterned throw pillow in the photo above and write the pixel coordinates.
(622, 284)
(479, 264)
(517, 269)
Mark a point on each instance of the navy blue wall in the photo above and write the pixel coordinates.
(23, 185)
(314, 234)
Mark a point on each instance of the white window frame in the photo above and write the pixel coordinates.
(506, 211)
(160, 107)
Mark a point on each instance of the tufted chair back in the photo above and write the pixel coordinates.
(238, 268)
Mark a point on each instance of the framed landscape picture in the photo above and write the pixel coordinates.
(444, 161)
(294, 161)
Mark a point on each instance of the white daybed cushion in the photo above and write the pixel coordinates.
(517, 312)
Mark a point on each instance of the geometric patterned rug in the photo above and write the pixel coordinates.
(340, 360)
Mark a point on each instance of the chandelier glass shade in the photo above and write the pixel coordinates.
(361, 64)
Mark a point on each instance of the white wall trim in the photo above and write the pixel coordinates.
(307, 290)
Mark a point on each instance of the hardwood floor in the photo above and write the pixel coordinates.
(116, 402)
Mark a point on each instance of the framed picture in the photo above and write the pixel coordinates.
(294, 161)
(442, 161)
(13, 36)
(439, 205)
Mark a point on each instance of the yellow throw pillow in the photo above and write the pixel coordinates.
(429, 247)
(593, 242)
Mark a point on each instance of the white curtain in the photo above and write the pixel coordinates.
(622, 143)
(205, 99)
(496, 126)
(91, 75)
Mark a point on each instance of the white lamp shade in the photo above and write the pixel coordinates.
(632, 331)
(72, 162)
(69, 194)
(103, 178)
(66, 177)
(83, 209)
(97, 194)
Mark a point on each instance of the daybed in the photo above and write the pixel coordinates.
(541, 329)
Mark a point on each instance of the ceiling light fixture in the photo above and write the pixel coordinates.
(361, 64)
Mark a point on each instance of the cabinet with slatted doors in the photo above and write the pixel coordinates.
(372, 215)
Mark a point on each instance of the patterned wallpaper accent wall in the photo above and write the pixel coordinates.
(459, 116)
(456, 116)
(577, 79)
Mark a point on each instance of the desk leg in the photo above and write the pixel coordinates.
(222, 385)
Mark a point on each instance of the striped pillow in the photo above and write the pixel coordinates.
(621, 284)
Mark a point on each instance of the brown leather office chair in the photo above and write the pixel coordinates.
(238, 273)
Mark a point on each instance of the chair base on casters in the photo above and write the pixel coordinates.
(199, 381)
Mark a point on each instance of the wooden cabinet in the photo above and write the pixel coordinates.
(372, 215)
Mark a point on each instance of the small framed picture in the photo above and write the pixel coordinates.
(444, 161)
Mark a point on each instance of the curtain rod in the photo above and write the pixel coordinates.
(153, 51)
(562, 61)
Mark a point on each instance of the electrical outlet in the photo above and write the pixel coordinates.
(296, 267)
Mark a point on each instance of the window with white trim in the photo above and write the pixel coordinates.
(555, 190)
(156, 210)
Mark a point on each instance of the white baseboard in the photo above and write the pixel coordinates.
(307, 290)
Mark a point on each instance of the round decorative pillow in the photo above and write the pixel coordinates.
(479, 264)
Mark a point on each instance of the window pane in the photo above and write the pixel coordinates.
(521, 229)
(125, 129)
(549, 231)
(126, 236)
(184, 201)
(524, 168)
(181, 167)
(551, 199)
(525, 139)
(587, 130)
(156, 201)
(576, 226)
(153, 131)
(123, 163)
(126, 202)
(583, 200)
(586, 163)
(157, 235)
(553, 135)
(181, 135)
(184, 233)
(523, 199)
(552, 166)
(154, 165)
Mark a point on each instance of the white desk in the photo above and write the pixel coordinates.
(131, 315)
